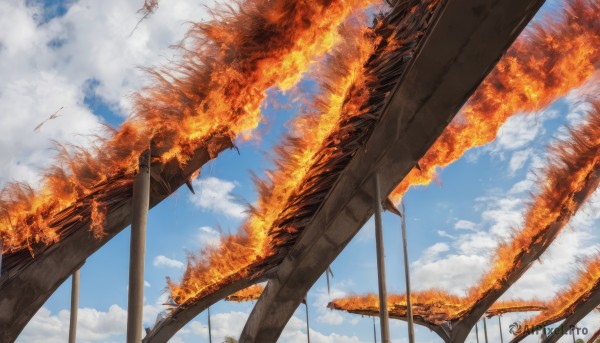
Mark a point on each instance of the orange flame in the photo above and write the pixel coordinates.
(216, 89)
(433, 306)
(247, 294)
(564, 303)
(318, 148)
(543, 64)
(573, 168)
(308, 132)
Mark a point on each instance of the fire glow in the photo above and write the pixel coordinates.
(247, 294)
(565, 302)
(571, 176)
(546, 62)
(216, 89)
(317, 150)
(433, 306)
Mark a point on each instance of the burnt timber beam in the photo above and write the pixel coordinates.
(583, 309)
(462, 327)
(24, 290)
(463, 44)
(524, 334)
(164, 330)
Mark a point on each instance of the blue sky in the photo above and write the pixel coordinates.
(77, 54)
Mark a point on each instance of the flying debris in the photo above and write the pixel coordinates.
(52, 116)
(147, 9)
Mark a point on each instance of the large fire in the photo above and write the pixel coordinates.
(572, 175)
(431, 307)
(216, 88)
(546, 62)
(247, 294)
(319, 146)
(567, 300)
(570, 178)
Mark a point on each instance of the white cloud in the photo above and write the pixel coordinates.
(92, 325)
(232, 323)
(445, 234)
(214, 194)
(465, 225)
(207, 236)
(521, 130)
(518, 160)
(163, 261)
(49, 65)
(454, 273)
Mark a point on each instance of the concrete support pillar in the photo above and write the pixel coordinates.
(485, 330)
(409, 313)
(209, 328)
(383, 309)
(374, 331)
(140, 203)
(307, 321)
(74, 306)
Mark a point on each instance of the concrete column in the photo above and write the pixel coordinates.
(74, 306)
(209, 328)
(485, 330)
(307, 322)
(374, 331)
(137, 253)
(383, 309)
(409, 313)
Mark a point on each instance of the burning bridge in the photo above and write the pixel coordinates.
(412, 72)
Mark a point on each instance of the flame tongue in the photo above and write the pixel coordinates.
(216, 89)
(543, 64)
(319, 148)
(572, 175)
(433, 306)
(564, 303)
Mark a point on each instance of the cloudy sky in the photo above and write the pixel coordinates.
(80, 57)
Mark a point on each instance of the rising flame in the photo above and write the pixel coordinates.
(432, 307)
(217, 88)
(574, 167)
(247, 294)
(569, 179)
(543, 64)
(320, 144)
(308, 132)
(566, 301)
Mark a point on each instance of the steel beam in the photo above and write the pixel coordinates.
(463, 44)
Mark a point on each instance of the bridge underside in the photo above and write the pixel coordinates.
(462, 46)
